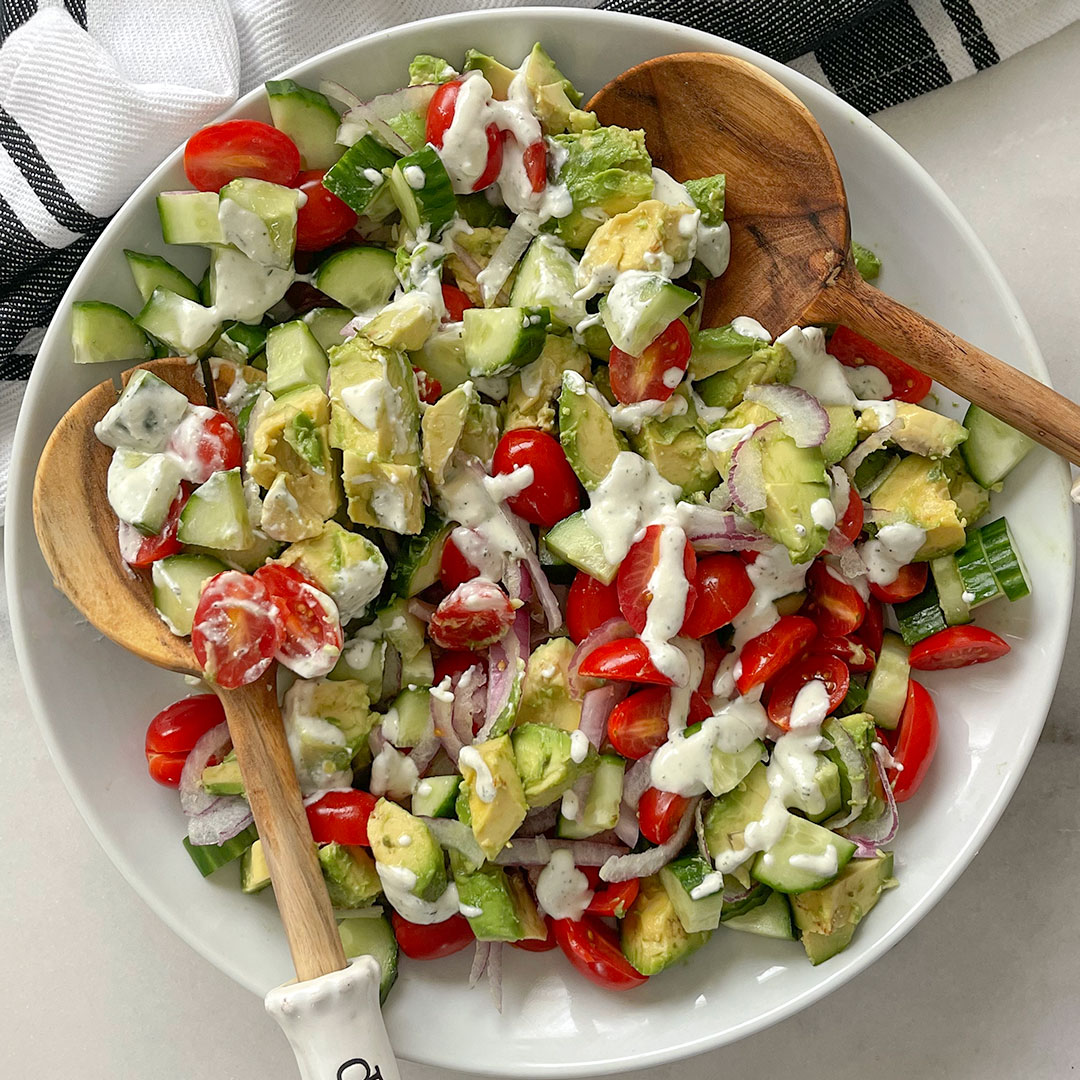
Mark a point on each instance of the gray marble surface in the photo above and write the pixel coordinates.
(986, 986)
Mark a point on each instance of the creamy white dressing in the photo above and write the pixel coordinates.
(414, 177)
(751, 328)
(393, 774)
(724, 440)
(668, 590)
(713, 248)
(579, 745)
(823, 513)
(138, 483)
(709, 885)
(398, 883)
(632, 417)
(144, 417)
(562, 890)
(868, 381)
(816, 371)
(893, 547)
(625, 306)
(482, 783)
(827, 864)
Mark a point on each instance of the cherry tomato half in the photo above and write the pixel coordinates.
(341, 817)
(828, 669)
(139, 550)
(454, 568)
(957, 646)
(324, 219)
(455, 302)
(535, 161)
(714, 654)
(659, 814)
(835, 605)
(553, 493)
(434, 941)
(654, 374)
(590, 604)
(855, 654)
(475, 614)
(237, 629)
(872, 631)
(853, 350)
(312, 627)
(173, 733)
(218, 445)
(454, 662)
(767, 654)
(624, 660)
(916, 741)
(639, 723)
(496, 140)
(592, 947)
(428, 388)
(440, 114)
(910, 581)
(723, 589)
(223, 152)
(610, 901)
(636, 572)
(851, 524)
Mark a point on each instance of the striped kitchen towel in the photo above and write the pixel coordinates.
(94, 93)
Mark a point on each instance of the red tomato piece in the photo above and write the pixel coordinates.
(957, 646)
(613, 901)
(431, 942)
(872, 631)
(828, 669)
(767, 654)
(723, 589)
(909, 583)
(853, 652)
(636, 571)
(659, 814)
(440, 114)
(341, 817)
(851, 524)
(312, 627)
(455, 662)
(700, 709)
(639, 723)
(554, 492)
(455, 302)
(834, 604)
(173, 733)
(324, 219)
(237, 629)
(624, 660)
(139, 550)
(535, 160)
(592, 947)
(475, 614)
(217, 445)
(534, 945)
(496, 140)
(853, 350)
(714, 654)
(590, 604)
(454, 568)
(916, 741)
(223, 152)
(656, 372)
(428, 388)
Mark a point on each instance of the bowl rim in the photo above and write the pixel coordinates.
(19, 546)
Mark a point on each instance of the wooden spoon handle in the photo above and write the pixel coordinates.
(266, 765)
(1018, 399)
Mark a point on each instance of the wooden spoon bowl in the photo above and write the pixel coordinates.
(76, 529)
(704, 113)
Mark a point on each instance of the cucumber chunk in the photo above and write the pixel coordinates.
(417, 565)
(142, 487)
(1005, 563)
(294, 359)
(992, 449)
(372, 936)
(547, 277)
(950, 589)
(216, 516)
(326, 324)
(211, 857)
(361, 278)
(681, 878)
(640, 306)
(574, 541)
(358, 176)
(190, 217)
(435, 796)
(152, 271)
(101, 332)
(980, 584)
(178, 582)
(408, 720)
(770, 919)
(178, 322)
(309, 119)
(145, 415)
(242, 343)
(498, 340)
(920, 616)
(421, 189)
(800, 859)
(601, 810)
(886, 690)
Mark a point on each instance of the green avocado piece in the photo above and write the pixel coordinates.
(351, 878)
(405, 323)
(459, 420)
(531, 399)
(769, 364)
(718, 348)
(843, 433)
(607, 171)
(254, 870)
(468, 254)
(676, 447)
(493, 821)
(827, 917)
(499, 76)
(545, 693)
(860, 783)
(971, 498)
(223, 778)
(708, 196)
(496, 902)
(651, 935)
(827, 781)
(922, 431)
(556, 98)
(544, 762)
(400, 840)
(866, 262)
(588, 436)
(917, 491)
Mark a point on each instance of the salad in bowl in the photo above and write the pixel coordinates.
(597, 626)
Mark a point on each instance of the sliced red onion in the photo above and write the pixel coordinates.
(874, 441)
(340, 93)
(611, 630)
(536, 851)
(194, 798)
(442, 721)
(596, 707)
(480, 962)
(851, 757)
(372, 116)
(506, 663)
(455, 834)
(734, 895)
(851, 563)
(467, 702)
(746, 478)
(579, 796)
(538, 821)
(421, 610)
(494, 973)
(377, 740)
(802, 416)
(518, 237)
(709, 529)
(872, 834)
(391, 682)
(839, 497)
(643, 863)
(229, 815)
(626, 828)
(423, 754)
(638, 780)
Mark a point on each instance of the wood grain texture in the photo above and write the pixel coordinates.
(703, 113)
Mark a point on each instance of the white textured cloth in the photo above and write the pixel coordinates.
(94, 93)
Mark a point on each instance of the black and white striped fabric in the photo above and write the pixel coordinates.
(94, 93)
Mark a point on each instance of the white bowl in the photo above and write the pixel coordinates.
(93, 701)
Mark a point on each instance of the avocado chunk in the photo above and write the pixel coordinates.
(530, 401)
(443, 357)
(842, 436)
(497, 803)
(607, 171)
(344, 564)
(648, 237)
(545, 762)
(718, 348)
(827, 917)
(769, 364)
(921, 430)
(676, 447)
(708, 195)
(651, 935)
(459, 420)
(545, 693)
(556, 99)
(971, 498)
(586, 432)
(499, 76)
(223, 778)
(852, 739)
(254, 870)
(400, 840)
(351, 878)
(917, 491)
(496, 902)
(826, 781)
(405, 323)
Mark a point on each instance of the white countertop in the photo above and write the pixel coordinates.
(986, 986)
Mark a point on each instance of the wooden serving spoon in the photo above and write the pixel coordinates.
(704, 113)
(76, 530)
